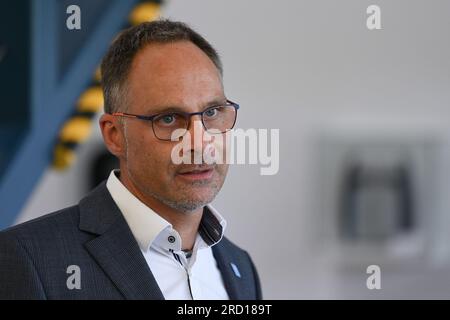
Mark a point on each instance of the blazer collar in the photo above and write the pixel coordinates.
(115, 249)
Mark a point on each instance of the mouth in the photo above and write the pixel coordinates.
(196, 173)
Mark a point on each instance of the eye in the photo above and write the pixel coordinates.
(167, 119)
(211, 113)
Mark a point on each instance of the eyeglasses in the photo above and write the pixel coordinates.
(216, 120)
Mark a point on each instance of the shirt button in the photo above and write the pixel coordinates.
(171, 239)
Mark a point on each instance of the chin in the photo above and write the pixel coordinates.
(200, 201)
(195, 202)
(188, 207)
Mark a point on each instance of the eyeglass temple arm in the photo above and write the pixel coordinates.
(121, 114)
(233, 103)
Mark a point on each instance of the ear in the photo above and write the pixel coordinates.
(113, 135)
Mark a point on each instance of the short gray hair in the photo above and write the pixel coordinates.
(116, 64)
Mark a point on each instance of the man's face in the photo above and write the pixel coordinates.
(165, 76)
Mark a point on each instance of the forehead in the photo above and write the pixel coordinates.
(176, 73)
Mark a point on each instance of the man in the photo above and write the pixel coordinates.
(148, 232)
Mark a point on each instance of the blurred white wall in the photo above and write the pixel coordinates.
(311, 68)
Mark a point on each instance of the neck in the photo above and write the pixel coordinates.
(186, 224)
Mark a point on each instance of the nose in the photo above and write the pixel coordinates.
(200, 138)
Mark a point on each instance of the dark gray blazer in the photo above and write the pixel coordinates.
(94, 235)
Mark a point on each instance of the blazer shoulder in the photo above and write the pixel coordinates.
(231, 246)
(233, 249)
(27, 248)
(64, 218)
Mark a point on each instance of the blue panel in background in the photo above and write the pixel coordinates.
(14, 77)
(71, 41)
(42, 74)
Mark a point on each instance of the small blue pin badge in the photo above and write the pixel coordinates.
(235, 270)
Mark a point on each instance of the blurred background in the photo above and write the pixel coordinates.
(364, 120)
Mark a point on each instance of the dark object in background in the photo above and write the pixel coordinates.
(376, 202)
(102, 165)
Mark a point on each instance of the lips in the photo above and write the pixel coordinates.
(195, 169)
(197, 172)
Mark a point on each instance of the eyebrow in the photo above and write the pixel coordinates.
(170, 109)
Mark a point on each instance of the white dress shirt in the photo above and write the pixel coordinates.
(179, 277)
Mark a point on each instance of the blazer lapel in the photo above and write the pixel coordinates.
(115, 249)
(231, 278)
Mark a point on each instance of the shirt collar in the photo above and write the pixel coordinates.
(150, 229)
